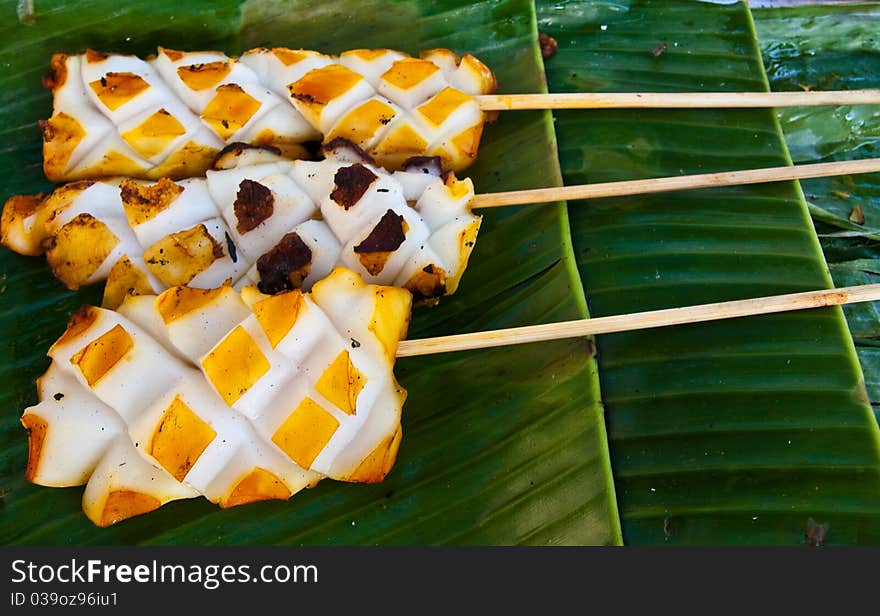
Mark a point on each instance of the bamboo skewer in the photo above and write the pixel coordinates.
(640, 320)
(678, 182)
(675, 100)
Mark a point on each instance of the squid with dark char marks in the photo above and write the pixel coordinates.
(257, 219)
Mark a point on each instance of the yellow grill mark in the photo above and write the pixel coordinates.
(468, 237)
(178, 302)
(116, 89)
(305, 432)
(468, 141)
(366, 54)
(321, 86)
(154, 134)
(192, 159)
(79, 249)
(98, 357)
(458, 188)
(403, 139)
(362, 123)
(409, 72)
(341, 383)
(93, 56)
(172, 54)
(179, 439)
(230, 110)
(374, 262)
(204, 76)
(112, 163)
(391, 315)
(178, 258)
(257, 485)
(375, 466)
(79, 323)
(443, 105)
(142, 202)
(61, 134)
(235, 365)
(278, 314)
(37, 428)
(289, 56)
(123, 281)
(123, 504)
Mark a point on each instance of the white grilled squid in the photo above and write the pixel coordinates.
(258, 219)
(169, 115)
(238, 397)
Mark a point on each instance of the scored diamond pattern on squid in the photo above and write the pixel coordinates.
(169, 115)
(268, 221)
(246, 400)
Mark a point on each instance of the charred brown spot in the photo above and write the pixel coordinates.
(424, 164)
(47, 129)
(285, 266)
(427, 285)
(57, 74)
(306, 98)
(142, 202)
(548, 45)
(217, 249)
(378, 247)
(253, 204)
(237, 149)
(351, 184)
(341, 143)
(78, 186)
(387, 236)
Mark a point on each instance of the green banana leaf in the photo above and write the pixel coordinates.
(500, 447)
(835, 47)
(740, 432)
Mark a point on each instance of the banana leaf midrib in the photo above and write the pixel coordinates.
(714, 395)
(834, 47)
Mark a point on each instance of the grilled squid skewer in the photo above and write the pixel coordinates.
(257, 219)
(169, 115)
(237, 397)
